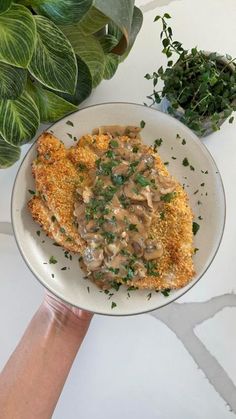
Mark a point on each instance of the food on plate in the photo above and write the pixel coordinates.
(111, 199)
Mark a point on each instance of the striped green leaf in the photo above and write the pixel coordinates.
(111, 65)
(12, 81)
(17, 36)
(84, 84)
(51, 106)
(8, 154)
(63, 12)
(19, 119)
(53, 62)
(5, 5)
(108, 42)
(121, 14)
(89, 49)
(93, 21)
(136, 25)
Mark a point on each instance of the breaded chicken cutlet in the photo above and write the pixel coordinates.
(111, 199)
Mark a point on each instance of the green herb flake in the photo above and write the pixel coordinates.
(132, 288)
(178, 136)
(195, 228)
(114, 144)
(168, 197)
(162, 215)
(142, 124)
(38, 232)
(113, 305)
(166, 292)
(64, 268)
(202, 184)
(110, 154)
(194, 193)
(69, 123)
(200, 218)
(88, 289)
(166, 163)
(69, 135)
(135, 149)
(174, 158)
(183, 141)
(52, 275)
(191, 167)
(52, 260)
(56, 244)
(185, 162)
(74, 138)
(62, 230)
(195, 250)
(141, 180)
(157, 143)
(149, 296)
(133, 227)
(31, 192)
(151, 268)
(53, 218)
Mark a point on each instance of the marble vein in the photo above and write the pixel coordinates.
(182, 318)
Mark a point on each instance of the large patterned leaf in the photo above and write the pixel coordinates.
(53, 62)
(89, 49)
(19, 119)
(93, 21)
(12, 81)
(17, 36)
(136, 25)
(84, 84)
(63, 12)
(121, 13)
(5, 5)
(108, 42)
(8, 154)
(111, 65)
(51, 107)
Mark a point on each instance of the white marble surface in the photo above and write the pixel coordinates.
(178, 362)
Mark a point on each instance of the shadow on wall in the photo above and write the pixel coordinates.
(182, 319)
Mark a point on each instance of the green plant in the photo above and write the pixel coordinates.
(52, 53)
(202, 84)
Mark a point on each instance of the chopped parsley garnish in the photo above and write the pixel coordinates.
(62, 230)
(110, 154)
(157, 143)
(202, 184)
(191, 167)
(196, 227)
(194, 193)
(168, 197)
(149, 296)
(109, 236)
(108, 193)
(162, 215)
(114, 270)
(115, 285)
(166, 292)
(88, 289)
(183, 141)
(118, 179)
(135, 149)
(69, 135)
(52, 260)
(195, 250)
(53, 218)
(151, 268)
(142, 180)
(166, 163)
(132, 288)
(64, 268)
(70, 123)
(81, 166)
(52, 275)
(133, 227)
(105, 169)
(125, 202)
(142, 124)
(31, 192)
(185, 162)
(200, 217)
(114, 144)
(38, 232)
(174, 158)
(113, 305)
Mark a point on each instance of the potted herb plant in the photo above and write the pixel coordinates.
(52, 54)
(199, 87)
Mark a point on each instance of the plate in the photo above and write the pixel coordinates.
(201, 179)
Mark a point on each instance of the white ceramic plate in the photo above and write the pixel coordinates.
(203, 184)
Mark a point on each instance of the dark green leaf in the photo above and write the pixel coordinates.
(62, 11)
(53, 62)
(108, 42)
(18, 34)
(196, 227)
(19, 119)
(12, 81)
(51, 106)
(5, 5)
(93, 21)
(8, 154)
(111, 65)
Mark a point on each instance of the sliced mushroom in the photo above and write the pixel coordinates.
(153, 250)
(140, 270)
(87, 194)
(143, 213)
(166, 184)
(137, 243)
(146, 162)
(93, 258)
(112, 249)
(130, 190)
(121, 169)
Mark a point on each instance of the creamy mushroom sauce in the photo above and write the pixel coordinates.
(115, 213)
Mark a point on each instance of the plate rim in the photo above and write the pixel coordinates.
(190, 285)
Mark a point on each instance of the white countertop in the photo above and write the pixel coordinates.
(179, 361)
